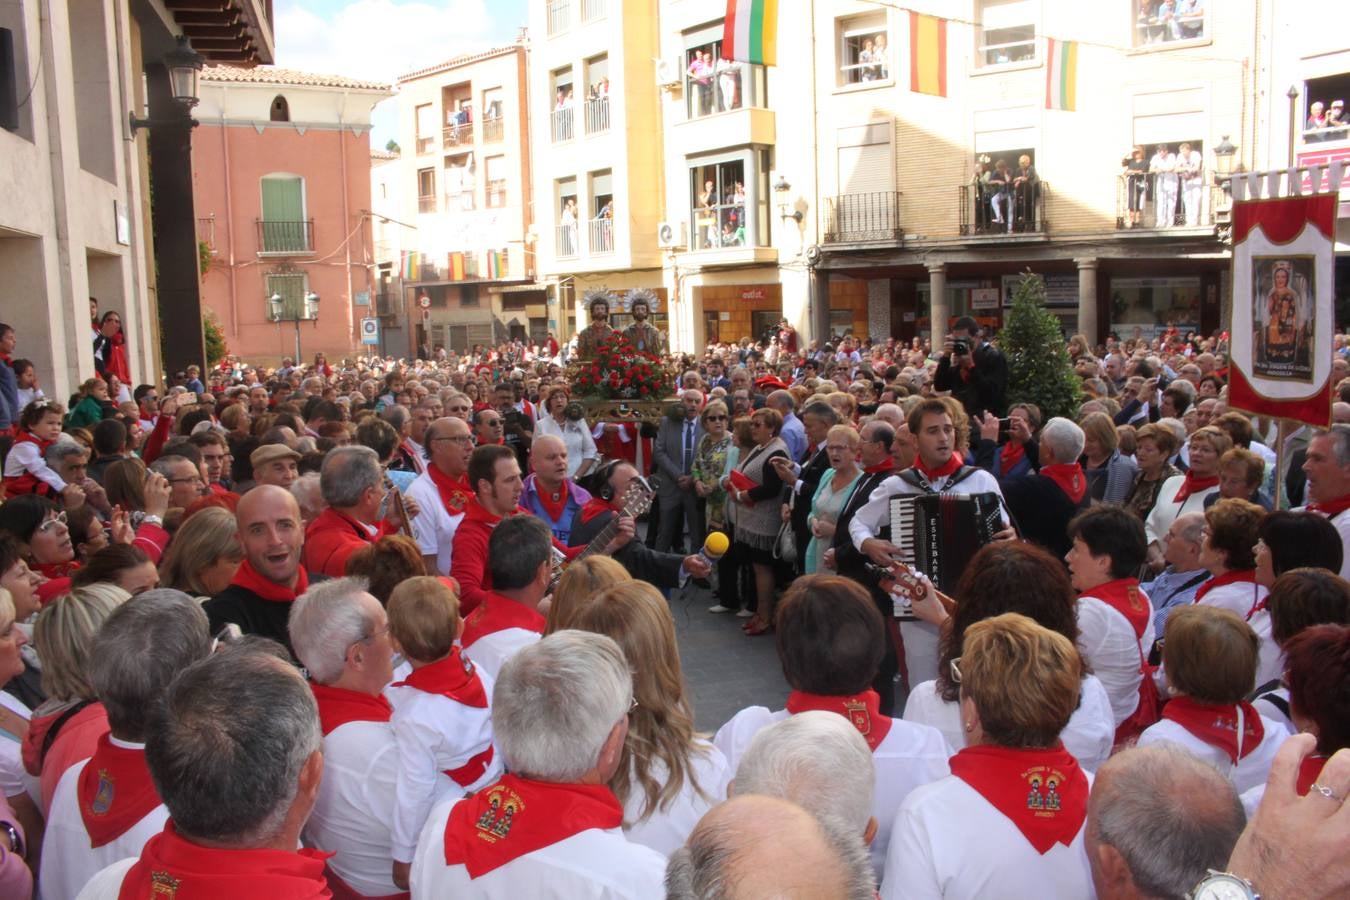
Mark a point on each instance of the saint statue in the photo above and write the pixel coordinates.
(642, 334)
(598, 303)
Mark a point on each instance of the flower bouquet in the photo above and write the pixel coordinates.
(621, 381)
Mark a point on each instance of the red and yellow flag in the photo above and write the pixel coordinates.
(750, 34)
(927, 54)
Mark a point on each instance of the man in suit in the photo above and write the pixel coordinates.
(801, 477)
(673, 452)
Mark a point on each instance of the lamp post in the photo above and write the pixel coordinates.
(1224, 153)
(184, 65)
(782, 189)
(276, 309)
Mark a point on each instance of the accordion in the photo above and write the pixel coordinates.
(939, 533)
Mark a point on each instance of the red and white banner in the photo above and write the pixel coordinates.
(1283, 307)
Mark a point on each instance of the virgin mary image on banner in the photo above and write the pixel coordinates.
(1284, 334)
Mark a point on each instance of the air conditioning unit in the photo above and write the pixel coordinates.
(668, 73)
(670, 235)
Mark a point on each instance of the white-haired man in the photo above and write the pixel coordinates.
(551, 827)
(341, 636)
(1327, 466)
(1043, 501)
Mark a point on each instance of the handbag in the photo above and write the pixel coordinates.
(785, 546)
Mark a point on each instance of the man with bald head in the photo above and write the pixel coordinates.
(548, 492)
(269, 579)
(754, 846)
(442, 492)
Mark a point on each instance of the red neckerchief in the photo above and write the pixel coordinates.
(56, 570)
(479, 513)
(1192, 485)
(498, 613)
(517, 816)
(455, 492)
(863, 710)
(453, 677)
(943, 471)
(1069, 478)
(1011, 455)
(594, 507)
(1332, 508)
(1234, 577)
(1217, 725)
(338, 706)
(27, 437)
(1123, 595)
(248, 578)
(554, 509)
(1043, 792)
(886, 465)
(172, 866)
(1308, 772)
(9, 360)
(115, 791)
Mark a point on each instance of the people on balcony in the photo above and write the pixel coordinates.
(1026, 185)
(1135, 173)
(982, 194)
(700, 72)
(1000, 194)
(1163, 168)
(569, 227)
(1190, 169)
(729, 83)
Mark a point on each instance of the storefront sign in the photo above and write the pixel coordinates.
(984, 298)
(1060, 289)
(754, 294)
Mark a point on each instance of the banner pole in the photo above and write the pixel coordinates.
(1281, 429)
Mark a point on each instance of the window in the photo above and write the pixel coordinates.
(459, 181)
(1324, 116)
(568, 215)
(426, 190)
(1168, 21)
(864, 49)
(597, 94)
(564, 105)
(495, 170)
(729, 201)
(281, 110)
(425, 120)
(559, 16)
(284, 227)
(601, 226)
(291, 289)
(713, 84)
(592, 10)
(1007, 32)
(493, 104)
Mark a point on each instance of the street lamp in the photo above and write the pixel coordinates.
(184, 65)
(276, 312)
(1292, 94)
(782, 188)
(1223, 160)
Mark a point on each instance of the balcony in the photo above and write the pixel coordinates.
(593, 9)
(1017, 211)
(566, 240)
(494, 130)
(563, 129)
(601, 236)
(426, 204)
(285, 238)
(859, 218)
(597, 115)
(1146, 203)
(496, 193)
(457, 135)
(559, 16)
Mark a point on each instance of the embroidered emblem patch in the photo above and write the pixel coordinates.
(503, 806)
(1043, 790)
(1132, 596)
(103, 798)
(857, 713)
(162, 884)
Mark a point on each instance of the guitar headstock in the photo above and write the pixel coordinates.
(637, 497)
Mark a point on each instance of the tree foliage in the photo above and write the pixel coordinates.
(214, 338)
(1039, 368)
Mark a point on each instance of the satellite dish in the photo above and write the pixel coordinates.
(814, 255)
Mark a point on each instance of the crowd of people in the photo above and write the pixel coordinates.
(406, 617)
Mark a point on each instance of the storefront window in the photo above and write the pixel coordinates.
(1146, 307)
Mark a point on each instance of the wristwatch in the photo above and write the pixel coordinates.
(152, 520)
(1223, 886)
(11, 834)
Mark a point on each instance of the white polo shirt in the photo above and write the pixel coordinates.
(434, 526)
(1106, 640)
(1250, 771)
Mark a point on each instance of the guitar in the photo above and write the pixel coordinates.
(636, 500)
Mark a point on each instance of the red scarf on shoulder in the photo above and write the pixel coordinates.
(338, 706)
(1332, 508)
(1069, 478)
(455, 492)
(453, 677)
(172, 866)
(1043, 792)
(1192, 485)
(1218, 725)
(115, 791)
(594, 507)
(863, 710)
(248, 578)
(517, 816)
(1123, 595)
(943, 471)
(1010, 455)
(1237, 576)
(498, 613)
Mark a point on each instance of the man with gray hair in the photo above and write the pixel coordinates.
(793, 431)
(106, 808)
(753, 847)
(70, 460)
(673, 453)
(1158, 821)
(1327, 465)
(1176, 585)
(353, 486)
(341, 636)
(235, 753)
(550, 827)
(817, 760)
(1042, 502)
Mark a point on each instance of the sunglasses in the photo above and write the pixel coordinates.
(714, 418)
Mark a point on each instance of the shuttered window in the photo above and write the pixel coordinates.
(865, 163)
(283, 214)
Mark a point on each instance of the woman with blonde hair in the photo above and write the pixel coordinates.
(1110, 474)
(67, 726)
(836, 484)
(668, 776)
(204, 555)
(580, 580)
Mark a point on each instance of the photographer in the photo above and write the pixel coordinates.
(973, 370)
(517, 426)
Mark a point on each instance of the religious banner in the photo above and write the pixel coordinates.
(1283, 307)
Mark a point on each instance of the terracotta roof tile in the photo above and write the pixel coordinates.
(273, 75)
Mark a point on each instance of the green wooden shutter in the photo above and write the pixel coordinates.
(283, 212)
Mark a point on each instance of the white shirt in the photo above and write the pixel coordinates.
(666, 830)
(26, 457)
(107, 885)
(434, 526)
(949, 842)
(14, 780)
(69, 860)
(596, 863)
(1250, 771)
(1106, 640)
(1089, 735)
(1238, 597)
(434, 733)
(1165, 511)
(355, 806)
(491, 651)
(576, 437)
(909, 756)
(1270, 661)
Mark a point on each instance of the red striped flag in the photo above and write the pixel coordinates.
(927, 54)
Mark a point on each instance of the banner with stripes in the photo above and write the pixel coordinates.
(927, 54)
(409, 268)
(1061, 75)
(750, 34)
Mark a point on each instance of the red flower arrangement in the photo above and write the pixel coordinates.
(620, 371)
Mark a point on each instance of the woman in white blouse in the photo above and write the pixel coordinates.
(572, 430)
(1022, 578)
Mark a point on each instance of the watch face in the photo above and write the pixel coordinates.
(1223, 887)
